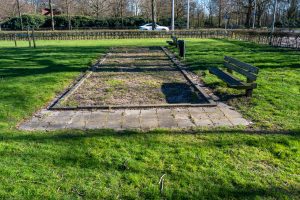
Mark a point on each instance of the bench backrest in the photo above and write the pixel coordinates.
(242, 68)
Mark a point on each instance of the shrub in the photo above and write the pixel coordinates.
(82, 21)
(61, 22)
(98, 23)
(34, 21)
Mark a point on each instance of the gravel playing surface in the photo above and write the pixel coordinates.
(134, 76)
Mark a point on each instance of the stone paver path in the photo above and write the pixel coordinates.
(145, 119)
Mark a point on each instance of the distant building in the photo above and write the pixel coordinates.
(47, 12)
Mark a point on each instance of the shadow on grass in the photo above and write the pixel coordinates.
(124, 154)
(27, 62)
(79, 134)
(204, 55)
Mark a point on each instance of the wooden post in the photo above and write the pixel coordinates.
(181, 45)
(28, 37)
(33, 38)
(15, 39)
(249, 92)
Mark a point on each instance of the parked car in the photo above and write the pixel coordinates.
(148, 27)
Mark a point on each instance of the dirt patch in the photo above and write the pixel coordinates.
(134, 76)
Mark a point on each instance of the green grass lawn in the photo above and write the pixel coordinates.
(207, 164)
(276, 102)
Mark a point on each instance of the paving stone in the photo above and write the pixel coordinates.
(149, 119)
(166, 118)
(79, 120)
(135, 119)
(214, 112)
(97, 120)
(203, 123)
(230, 113)
(131, 119)
(114, 119)
(211, 109)
(41, 121)
(183, 118)
(221, 122)
(199, 117)
(34, 124)
(59, 121)
(239, 121)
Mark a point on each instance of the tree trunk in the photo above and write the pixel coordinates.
(52, 17)
(68, 14)
(97, 9)
(220, 13)
(153, 8)
(122, 18)
(20, 15)
(249, 12)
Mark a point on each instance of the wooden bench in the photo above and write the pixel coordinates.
(247, 70)
(174, 41)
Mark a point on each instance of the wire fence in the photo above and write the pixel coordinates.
(279, 39)
(111, 34)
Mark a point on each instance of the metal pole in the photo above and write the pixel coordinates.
(188, 15)
(274, 16)
(173, 15)
(254, 14)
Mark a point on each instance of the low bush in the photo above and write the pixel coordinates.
(35, 21)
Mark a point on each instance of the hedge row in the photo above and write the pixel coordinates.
(62, 22)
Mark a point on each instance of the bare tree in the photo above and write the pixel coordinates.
(51, 13)
(67, 2)
(20, 15)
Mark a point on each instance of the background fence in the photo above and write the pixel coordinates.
(111, 34)
(278, 39)
(282, 39)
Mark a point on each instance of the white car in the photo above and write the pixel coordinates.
(148, 27)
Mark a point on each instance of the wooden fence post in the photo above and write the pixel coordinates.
(28, 36)
(15, 39)
(33, 38)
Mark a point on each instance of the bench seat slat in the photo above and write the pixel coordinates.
(230, 80)
(249, 75)
(243, 65)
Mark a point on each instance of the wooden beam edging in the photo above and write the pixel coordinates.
(143, 106)
(180, 66)
(76, 84)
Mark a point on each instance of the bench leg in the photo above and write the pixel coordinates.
(249, 92)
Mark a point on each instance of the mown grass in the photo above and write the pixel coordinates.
(275, 103)
(104, 164)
